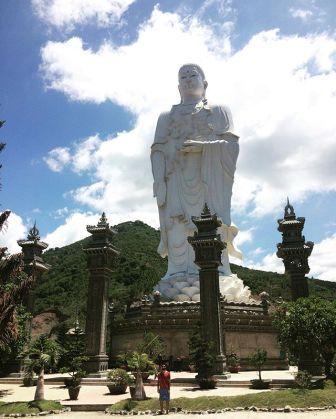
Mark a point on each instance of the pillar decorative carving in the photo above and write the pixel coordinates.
(294, 251)
(101, 256)
(32, 248)
(208, 249)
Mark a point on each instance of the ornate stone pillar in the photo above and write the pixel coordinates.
(101, 256)
(32, 248)
(294, 251)
(208, 249)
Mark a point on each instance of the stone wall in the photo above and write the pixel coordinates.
(245, 328)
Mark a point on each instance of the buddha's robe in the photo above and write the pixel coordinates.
(185, 180)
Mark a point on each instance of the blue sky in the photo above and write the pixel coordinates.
(82, 86)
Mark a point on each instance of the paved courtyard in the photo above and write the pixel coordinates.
(101, 395)
(98, 394)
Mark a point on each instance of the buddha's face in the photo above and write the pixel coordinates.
(191, 83)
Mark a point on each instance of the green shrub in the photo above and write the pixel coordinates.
(303, 380)
(119, 376)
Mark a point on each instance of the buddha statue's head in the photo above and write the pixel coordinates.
(192, 83)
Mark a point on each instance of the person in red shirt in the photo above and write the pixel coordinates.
(163, 387)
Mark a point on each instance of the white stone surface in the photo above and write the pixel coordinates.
(194, 158)
(230, 286)
(233, 289)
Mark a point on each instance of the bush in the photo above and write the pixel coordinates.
(140, 362)
(119, 376)
(307, 329)
(303, 380)
(207, 383)
(232, 360)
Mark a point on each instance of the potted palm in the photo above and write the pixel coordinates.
(152, 345)
(118, 380)
(76, 372)
(232, 362)
(139, 363)
(258, 359)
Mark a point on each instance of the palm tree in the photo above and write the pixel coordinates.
(139, 363)
(14, 284)
(42, 353)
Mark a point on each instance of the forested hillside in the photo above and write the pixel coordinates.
(139, 268)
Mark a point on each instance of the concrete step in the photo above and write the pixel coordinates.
(87, 407)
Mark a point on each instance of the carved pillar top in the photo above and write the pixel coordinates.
(206, 242)
(294, 250)
(32, 248)
(101, 238)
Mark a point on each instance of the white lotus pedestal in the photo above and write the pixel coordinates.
(187, 288)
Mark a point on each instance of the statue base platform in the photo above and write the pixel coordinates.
(245, 327)
(185, 287)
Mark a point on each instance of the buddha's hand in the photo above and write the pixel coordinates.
(191, 146)
(160, 191)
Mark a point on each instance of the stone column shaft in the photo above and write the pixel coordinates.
(96, 320)
(210, 309)
(299, 285)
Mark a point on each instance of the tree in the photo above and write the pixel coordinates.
(14, 285)
(257, 359)
(202, 355)
(73, 357)
(152, 345)
(42, 353)
(308, 326)
(139, 363)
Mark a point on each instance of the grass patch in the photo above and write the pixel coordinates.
(29, 407)
(269, 399)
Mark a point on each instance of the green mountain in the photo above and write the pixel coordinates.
(139, 269)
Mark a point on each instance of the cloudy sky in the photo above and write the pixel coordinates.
(82, 83)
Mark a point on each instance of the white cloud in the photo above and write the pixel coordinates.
(73, 229)
(322, 261)
(58, 158)
(302, 14)
(244, 236)
(14, 231)
(256, 252)
(66, 14)
(270, 263)
(60, 213)
(281, 89)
